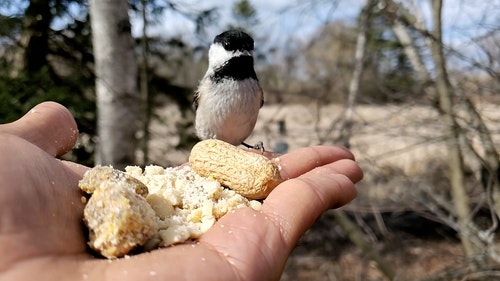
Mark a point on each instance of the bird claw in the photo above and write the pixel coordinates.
(258, 146)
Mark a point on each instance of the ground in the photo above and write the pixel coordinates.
(324, 254)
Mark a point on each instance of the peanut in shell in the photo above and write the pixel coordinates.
(248, 173)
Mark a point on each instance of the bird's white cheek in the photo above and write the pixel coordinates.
(217, 56)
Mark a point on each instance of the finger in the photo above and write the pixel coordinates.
(345, 167)
(257, 243)
(295, 204)
(48, 125)
(302, 160)
(76, 169)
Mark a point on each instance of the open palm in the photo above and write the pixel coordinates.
(41, 230)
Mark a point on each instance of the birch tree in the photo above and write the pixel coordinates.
(359, 56)
(118, 100)
(353, 231)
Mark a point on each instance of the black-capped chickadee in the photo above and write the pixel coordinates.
(229, 96)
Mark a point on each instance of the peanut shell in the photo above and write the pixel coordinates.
(249, 174)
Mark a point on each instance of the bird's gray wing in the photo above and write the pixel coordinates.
(196, 100)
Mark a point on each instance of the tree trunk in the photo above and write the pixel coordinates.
(359, 57)
(490, 160)
(410, 50)
(452, 133)
(144, 86)
(118, 100)
(353, 231)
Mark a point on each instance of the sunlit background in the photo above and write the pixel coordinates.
(405, 221)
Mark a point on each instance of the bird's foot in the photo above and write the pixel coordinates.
(258, 146)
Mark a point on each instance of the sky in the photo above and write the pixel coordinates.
(282, 18)
(278, 19)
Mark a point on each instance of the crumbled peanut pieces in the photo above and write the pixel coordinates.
(102, 175)
(176, 205)
(117, 215)
(187, 204)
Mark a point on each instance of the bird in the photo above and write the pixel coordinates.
(229, 96)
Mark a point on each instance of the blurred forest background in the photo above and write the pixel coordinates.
(417, 102)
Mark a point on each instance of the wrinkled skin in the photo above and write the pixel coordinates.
(41, 233)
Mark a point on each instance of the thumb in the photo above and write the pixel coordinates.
(48, 125)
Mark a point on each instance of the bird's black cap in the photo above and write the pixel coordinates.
(235, 40)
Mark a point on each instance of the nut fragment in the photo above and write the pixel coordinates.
(180, 205)
(117, 215)
(250, 174)
(99, 175)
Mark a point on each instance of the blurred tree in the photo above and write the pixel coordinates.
(455, 157)
(41, 63)
(448, 98)
(170, 68)
(328, 60)
(144, 84)
(33, 51)
(118, 99)
(64, 71)
(364, 22)
(245, 16)
(32, 55)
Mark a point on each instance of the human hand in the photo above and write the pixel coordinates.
(41, 233)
